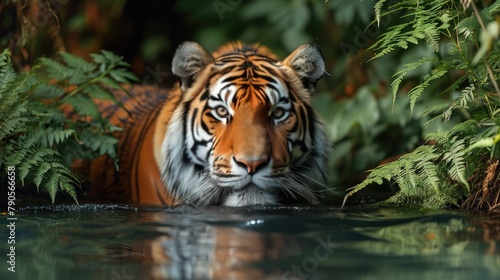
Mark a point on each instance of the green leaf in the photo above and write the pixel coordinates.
(110, 82)
(83, 105)
(77, 63)
(48, 91)
(122, 76)
(40, 173)
(38, 126)
(7, 74)
(55, 69)
(114, 59)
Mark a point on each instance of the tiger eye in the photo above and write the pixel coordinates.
(278, 113)
(221, 112)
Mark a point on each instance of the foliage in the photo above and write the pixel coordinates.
(445, 67)
(351, 98)
(365, 131)
(360, 140)
(438, 174)
(49, 117)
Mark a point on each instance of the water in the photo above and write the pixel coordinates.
(125, 243)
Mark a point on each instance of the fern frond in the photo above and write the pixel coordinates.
(455, 160)
(114, 59)
(426, 23)
(98, 92)
(83, 105)
(378, 10)
(415, 92)
(406, 178)
(468, 127)
(35, 158)
(107, 145)
(55, 136)
(413, 173)
(7, 73)
(111, 83)
(377, 176)
(78, 63)
(48, 91)
(56, 70)
(14, 156)
(15, 121)
(67, 183)
(122, 76)
(487, 142)
(431, 36)
(35, 127)
(61, 178)
(428, 171)
(52, 184)
(400, 75)
(40, 172)
(440, 137)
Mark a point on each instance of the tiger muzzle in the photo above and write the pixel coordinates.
(252, 166)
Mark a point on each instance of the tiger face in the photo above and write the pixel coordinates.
(243, 131)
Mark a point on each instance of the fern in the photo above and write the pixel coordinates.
(439, 174)
(79, 64)
(7, 74)
(420, 177)
(415, 92)
(378, 10)
(83, 105)
(410, 171)
(55, 136)
(35, 134)
(455, 161)
(424, 24)
(400, 75)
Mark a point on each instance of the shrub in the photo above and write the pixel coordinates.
(49, 117)
(456, 166)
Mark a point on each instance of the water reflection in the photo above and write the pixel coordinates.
(187, 248)
(94, 242)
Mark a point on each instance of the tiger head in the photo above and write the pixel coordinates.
(243, 131)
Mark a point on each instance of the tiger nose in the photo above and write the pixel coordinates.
(252, 166)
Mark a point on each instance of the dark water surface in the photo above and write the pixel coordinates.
(125, 243)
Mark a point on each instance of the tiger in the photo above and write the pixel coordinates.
(237, 129)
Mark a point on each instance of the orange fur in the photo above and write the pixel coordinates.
(138, 178)
(251, 139)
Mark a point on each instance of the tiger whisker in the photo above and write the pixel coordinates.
(307, 176)
(293, 186)
(317, 192)
(323, 188)
(282, 186)
(306, 195)
(212, 193)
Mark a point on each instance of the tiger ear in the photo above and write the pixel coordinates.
(307, 62)
(189, 59)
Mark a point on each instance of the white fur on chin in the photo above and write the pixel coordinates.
(248, 197)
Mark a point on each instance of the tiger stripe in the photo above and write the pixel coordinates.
(238, 130)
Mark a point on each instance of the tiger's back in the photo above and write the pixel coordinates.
(120, 180)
